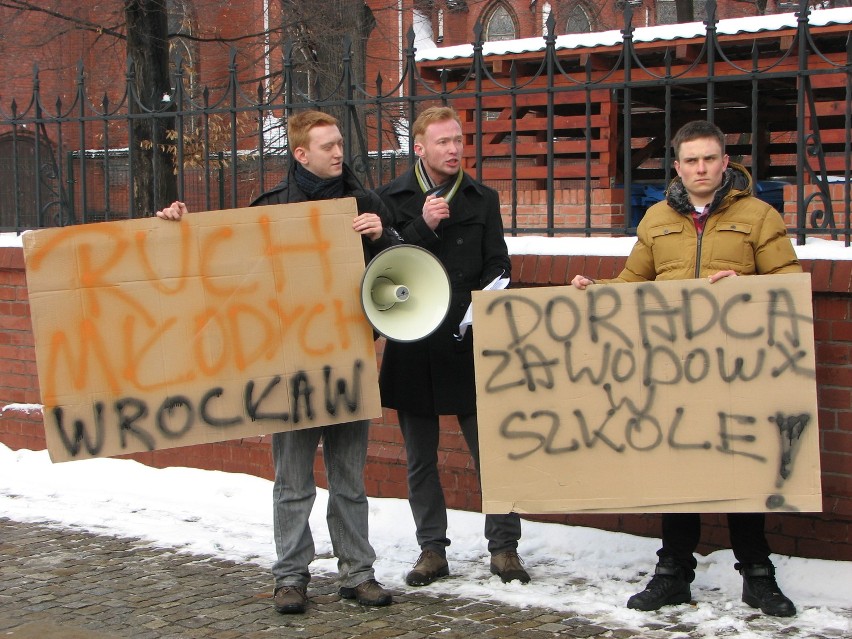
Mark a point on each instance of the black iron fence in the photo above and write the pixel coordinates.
(561, 117)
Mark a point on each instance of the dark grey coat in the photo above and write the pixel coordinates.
(435, 376)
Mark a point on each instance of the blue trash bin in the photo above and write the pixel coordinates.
(771, 192)
(643, 196)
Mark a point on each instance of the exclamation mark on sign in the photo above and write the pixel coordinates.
(790, 429)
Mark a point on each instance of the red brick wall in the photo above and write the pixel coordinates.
(804, 534)
(569, 208)
(18, 377)
(836, 191)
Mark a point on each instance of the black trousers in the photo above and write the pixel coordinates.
(682, 531)
(425, 494)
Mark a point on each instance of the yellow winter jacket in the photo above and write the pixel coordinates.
(742, 234)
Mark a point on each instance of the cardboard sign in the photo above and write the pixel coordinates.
(152, 334)
(676, 396)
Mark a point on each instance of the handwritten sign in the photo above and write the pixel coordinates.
(152, 334)
(658, 397)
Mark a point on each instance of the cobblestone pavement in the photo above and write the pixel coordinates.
(59, 583)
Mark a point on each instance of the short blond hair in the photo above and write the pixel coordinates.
(299, 126)
(431, 116)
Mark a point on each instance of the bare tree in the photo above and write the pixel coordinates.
(318, 33)
(315, 32)
(154, 183)
(141, 25)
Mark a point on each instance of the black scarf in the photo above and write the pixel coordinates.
(316, 188)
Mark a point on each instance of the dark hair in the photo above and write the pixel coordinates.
(694, 130)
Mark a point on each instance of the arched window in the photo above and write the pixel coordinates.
(500, 24)
(578, 20)
(20, 178)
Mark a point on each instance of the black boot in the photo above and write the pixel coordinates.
(760, 590)
(668, 586)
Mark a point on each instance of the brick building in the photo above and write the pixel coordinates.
(82, 61)
(208, 29)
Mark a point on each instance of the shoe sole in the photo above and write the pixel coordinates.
(755, 603)
(425, 581)
(349, 593)
(524, 579)
(290, 610)
(674, 601)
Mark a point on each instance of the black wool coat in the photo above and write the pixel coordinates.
(435, 375)
(288, 192)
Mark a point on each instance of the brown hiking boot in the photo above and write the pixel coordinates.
(507, 565)
(429, 567)
(368, 593)
(290, 600)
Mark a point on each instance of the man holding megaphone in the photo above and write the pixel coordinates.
(438, 207)
(319, 173)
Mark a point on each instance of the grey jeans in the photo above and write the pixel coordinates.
(425, 494)
(344, 449)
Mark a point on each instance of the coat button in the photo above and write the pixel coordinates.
(460, 241)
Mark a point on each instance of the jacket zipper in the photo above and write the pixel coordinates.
(698, 253)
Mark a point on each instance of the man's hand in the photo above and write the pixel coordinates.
(718, 276)
(173, 212)
(368, 224)
(435, 209)
(581, 282)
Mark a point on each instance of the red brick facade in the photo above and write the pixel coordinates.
(31, 38)
(826, 535)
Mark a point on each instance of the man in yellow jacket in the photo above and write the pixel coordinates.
(709, 226)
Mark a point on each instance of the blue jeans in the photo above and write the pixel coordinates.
(425, 494)
(344, 448)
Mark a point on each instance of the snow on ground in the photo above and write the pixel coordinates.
(579, 570)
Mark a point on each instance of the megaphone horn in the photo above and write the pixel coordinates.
(405, 293)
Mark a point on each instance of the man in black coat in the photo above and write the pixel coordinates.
(319, 173)
(437, 206)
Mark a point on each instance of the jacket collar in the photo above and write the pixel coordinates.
(736, 184)
(407, 183)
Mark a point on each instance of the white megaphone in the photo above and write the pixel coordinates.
(405, 293)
